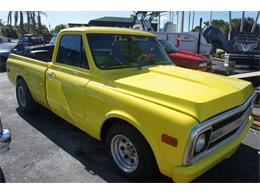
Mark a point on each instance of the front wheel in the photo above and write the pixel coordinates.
(2, 178)
(130, 153)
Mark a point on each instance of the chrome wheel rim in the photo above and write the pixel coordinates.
(21, 96)
(124, 153)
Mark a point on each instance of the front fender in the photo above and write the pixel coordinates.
(119, 114)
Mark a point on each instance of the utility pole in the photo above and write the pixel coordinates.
(182, 22)
(159, 22)
(178, 21)
(199, 38)
(193, 16)
(210, 18)
(230, 25)
(242, 22)
(189, 20)
(254, 25)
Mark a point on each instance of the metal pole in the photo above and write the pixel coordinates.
(159, 23)
(210, 18)
(189, 20)
(230, 26)
(193, 16)
(198, 45)
(177, 21)
(182, 21)
(254, 25)
(242, 22)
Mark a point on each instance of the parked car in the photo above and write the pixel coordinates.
(32, 39)
(29, 40)
(119, 86)
(186, 59)
(3, 39)
(5, 49)
(5, 139)
(39, 52)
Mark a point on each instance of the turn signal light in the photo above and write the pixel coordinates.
(169, 140)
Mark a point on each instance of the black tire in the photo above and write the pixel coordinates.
(2, 64)
(2, 178)
(146, 166)
(24, 98)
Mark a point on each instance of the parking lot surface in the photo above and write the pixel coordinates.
(45, 148)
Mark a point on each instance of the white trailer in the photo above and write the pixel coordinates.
(187, 41)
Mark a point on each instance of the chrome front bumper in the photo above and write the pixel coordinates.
(5, 140)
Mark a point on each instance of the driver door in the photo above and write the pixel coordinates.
(67, 79)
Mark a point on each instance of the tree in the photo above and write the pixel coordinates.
(34, 23)
(21, 23)
(39, 21)
(248, 23)
(236, 22)
(58, 28)
(1, 23)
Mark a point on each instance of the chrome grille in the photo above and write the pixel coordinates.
(223, 128)
(230, 125)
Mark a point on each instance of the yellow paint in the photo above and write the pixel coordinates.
(155, 99)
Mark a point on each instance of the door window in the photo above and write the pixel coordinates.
(72, 51)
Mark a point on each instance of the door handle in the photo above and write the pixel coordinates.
(51, 74)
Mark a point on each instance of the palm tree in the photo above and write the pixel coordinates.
(15, 18)
(33, 20)
(39, 19)
(28, 21)
(21, 23)
(9, 19)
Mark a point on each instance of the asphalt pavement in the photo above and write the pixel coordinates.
(45, 148)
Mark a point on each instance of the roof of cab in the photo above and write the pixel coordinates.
(107, 30)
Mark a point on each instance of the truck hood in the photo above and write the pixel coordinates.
(198, 94)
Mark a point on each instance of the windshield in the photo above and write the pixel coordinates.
(122, 51)
(168, 47)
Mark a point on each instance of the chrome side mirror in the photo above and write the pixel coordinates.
(5, 139)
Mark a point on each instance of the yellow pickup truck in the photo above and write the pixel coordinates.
(119, 86)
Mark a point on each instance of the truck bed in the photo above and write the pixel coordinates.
(40, 52)
(32, 71)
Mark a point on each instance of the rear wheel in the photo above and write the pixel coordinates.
(2, 178)
(130, 153)
(24, 98)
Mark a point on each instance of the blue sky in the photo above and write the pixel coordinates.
(63, 17)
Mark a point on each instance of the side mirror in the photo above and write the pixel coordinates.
(5, 139)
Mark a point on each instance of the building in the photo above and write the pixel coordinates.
(112, 22)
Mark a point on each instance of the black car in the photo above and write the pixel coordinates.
(5, 49)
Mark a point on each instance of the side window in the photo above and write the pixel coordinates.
(71, 51)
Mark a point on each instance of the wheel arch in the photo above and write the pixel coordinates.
(121, 116)
(19, 77)
(115, 117)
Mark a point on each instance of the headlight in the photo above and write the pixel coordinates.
(200, 144)
(202, 65)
